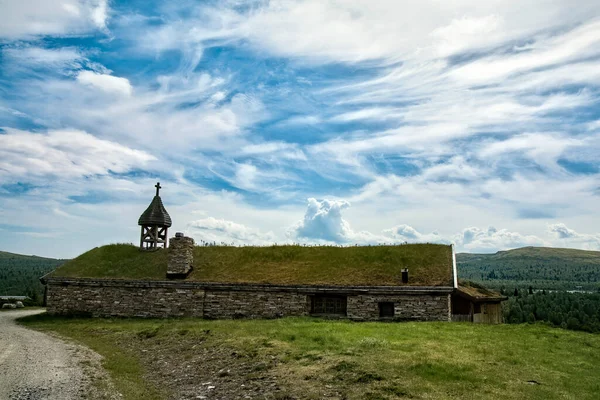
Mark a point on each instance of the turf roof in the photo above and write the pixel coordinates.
(478, 293)
(428, 264)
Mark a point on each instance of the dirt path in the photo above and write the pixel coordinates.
(35, 366)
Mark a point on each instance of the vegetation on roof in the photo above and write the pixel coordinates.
(428, 264)
(477, 290)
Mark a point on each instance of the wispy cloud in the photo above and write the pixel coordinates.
(428, 118)
(63, 154)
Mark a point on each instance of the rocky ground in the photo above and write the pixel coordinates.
(189, 369)
(36, 366)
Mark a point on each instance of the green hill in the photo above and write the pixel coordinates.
(19, 274)
(540, 267)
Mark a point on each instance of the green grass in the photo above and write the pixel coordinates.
(428, 264)
(310, 358)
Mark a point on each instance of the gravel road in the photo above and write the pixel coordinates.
(35, 366)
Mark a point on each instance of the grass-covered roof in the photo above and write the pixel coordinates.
(428, 264)
(478, 293)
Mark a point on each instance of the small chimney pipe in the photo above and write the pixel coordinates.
(405, 275)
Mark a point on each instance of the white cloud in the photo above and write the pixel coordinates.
(245, 176)
(105, 82)
(457, 104)
(579, 43)
(25, 19)
(63, 154)
(323, 221)
(406, 233)
(544, 148)
(476, 240)
(562, 232)
(68, 57)
(467, 33)
(281, 149)
(143, 117)
(360, 30)
(219, 230)
(570, 238)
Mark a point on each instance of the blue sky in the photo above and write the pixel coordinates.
(354, 122)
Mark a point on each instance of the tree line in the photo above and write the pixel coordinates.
(19, 275)
(576, 311)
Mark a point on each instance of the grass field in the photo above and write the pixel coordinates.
(304, 358)
(429, 264)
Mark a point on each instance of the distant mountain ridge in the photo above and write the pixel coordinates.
(540, 267)
(19, 274)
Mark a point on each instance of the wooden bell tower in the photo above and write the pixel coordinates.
(155, 222)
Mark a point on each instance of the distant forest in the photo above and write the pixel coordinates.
(577, 311)
(19, 274)
(542, 268)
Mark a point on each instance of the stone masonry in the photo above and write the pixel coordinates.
(162, 299)
(181, 256)
(417, 307)
(250, 304)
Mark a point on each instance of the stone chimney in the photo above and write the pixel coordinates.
(181, 256)
(405, 275)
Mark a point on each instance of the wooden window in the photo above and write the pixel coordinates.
(386, 309)
(329, 305)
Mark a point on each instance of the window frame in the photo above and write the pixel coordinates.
(329, 305)
(389, 305)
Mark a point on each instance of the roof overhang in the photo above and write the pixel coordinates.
(480, 299)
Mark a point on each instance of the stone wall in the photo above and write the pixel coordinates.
(107, 299)
(417, 307)
(246, 304)
(162, 299)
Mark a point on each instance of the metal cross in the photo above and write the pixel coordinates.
(158, 187)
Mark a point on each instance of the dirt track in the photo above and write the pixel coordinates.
(34, 365)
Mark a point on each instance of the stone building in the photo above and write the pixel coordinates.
(368, 283)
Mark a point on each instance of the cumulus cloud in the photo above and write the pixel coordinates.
(323, 221)
(63, 154)
(406, 233)
(562, 232)
(570, 238)
(475, 239)
(220, 230)
(105, 82)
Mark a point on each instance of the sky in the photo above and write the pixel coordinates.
(319, 121)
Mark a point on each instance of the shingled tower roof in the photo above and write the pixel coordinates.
(155, 214)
